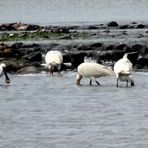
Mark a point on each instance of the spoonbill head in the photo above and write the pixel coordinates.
(54, 59)
(3, 71)
(123, 69)
(92, 71)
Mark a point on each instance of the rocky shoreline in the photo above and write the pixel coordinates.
(23, 46)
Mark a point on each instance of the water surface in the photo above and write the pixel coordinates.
(72, 11)
(40, 111)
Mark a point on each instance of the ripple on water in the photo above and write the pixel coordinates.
(42, 110)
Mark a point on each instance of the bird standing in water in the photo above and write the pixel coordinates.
(54, 59)
(123, 69)
(92, 71)
(3, 72)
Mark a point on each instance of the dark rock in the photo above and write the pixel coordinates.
(66, 58)
(112, 24)
(51, 46)
(2, 27)
(34, 56)
(131, 27)
(17, 45)
(133, 56)
(92, 27)
(134, 23)
(33, 27)
(84, 47)
(110, 55)
(34, 45)
(120, 47)
(66, 66)
(141, 49)
(124, 26)
(28, 70)
(10, 27)
(136, 47)
(127, 49)
(105, 56)
(77, 58)
(7, 52)
(117, 54)
(110, 47)
(143, 61)
(138, 66)
(59, 30)
(3, 46)
(13, 65)
(139, 26)
(96, 45)
(73, 27)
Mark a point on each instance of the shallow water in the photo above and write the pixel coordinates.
(40, 111)
(72, 11)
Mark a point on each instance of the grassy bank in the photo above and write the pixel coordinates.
(42, 35)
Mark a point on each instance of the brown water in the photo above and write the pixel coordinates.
(40, 111)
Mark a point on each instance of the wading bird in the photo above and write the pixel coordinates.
(54, 59)
(3, 72)
(123, 69)
(92, 71)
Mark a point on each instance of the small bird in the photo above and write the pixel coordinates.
(92, 71)
(123, 69)
(54, 59)
(3, 71)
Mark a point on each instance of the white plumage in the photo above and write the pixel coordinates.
(54, 59)
(123, 68)
(92, 71)
(3, 71)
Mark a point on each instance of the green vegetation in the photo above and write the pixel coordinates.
(17, 36)
(42, 35)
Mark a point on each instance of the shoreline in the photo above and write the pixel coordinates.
(22, 45)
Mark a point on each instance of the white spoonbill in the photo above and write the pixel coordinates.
(123, 69)
(3, 71)
(92, 71)
(54, 59)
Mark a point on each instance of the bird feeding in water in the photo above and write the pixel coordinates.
(54, 59)
(3, 72)
(92, 71)
(123, 69)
